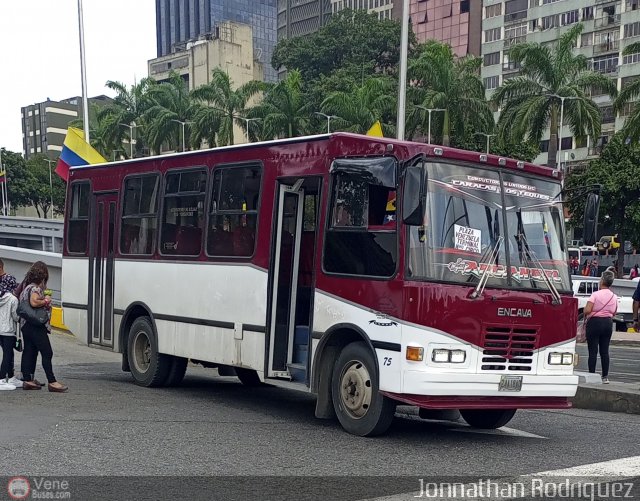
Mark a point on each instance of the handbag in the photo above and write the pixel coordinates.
(581, 334)
(35, 316)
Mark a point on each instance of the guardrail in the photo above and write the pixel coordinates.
(28, 232)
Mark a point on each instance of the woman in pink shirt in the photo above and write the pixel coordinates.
(599, 312)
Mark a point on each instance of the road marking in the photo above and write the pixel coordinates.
(504, 431)
(619, 469)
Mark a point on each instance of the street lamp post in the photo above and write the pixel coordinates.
(488, 136)
(402, 80)
(247, 121)
(183, 124)
(328, 117)
(429, 110)
(131, 126)
(50, 184)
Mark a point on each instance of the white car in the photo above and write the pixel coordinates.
(583, 287)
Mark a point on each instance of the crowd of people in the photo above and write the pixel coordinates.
(588, 269)
(25, 325)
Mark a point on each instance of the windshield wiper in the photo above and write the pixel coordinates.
(557, 299)
(477, 292)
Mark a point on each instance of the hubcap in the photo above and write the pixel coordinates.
(355, 389)
(141, 352)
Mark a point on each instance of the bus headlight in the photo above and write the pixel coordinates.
(559, 358)
(449, 356)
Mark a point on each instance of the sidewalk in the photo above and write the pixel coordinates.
(612, 397)
(628, 338)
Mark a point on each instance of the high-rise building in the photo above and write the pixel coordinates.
(179, 22)
(609, 26)
(383, 8)
(455, 22)
(301, 17)
(44, 125)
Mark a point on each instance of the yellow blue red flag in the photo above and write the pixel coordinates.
(375, 130)
(76, 152)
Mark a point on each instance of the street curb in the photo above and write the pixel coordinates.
(626, 342)
(608, 399)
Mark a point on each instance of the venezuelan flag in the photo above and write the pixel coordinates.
(76, 152)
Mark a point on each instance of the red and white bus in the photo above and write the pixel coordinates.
(287, 262)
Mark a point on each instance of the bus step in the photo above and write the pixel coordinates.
(298, 371)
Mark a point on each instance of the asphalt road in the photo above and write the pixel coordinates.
(212, 426)
(624, 362)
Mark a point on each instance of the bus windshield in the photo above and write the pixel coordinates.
(480, 221)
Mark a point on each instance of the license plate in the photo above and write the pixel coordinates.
(510, 383)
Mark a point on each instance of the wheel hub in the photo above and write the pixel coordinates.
(142, 352)
(355, 389)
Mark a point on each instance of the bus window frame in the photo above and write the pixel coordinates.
(327, 227)
(165, 176)
(158, 176)
(233, 165)
(73, 183)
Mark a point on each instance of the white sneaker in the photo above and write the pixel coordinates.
(6, 386)
(15, 382)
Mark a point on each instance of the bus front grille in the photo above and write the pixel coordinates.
(508, 349)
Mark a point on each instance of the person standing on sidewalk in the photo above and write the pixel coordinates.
(8, 320)
(599, 312)
(636, 308)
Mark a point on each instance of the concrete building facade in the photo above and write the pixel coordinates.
(182, 22)
(383, 8)
(44, 125)
(231, 49)
(609, 26)
(301, 17)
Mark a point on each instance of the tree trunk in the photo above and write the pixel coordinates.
(620, 257)
(553, 139)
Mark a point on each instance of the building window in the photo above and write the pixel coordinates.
(570, 17)
(545, 2)
(78, 218)
(183, 213)
(514, 10)
(586, 39)
(627, 109)
(493, 10)
(139, 214)
(608, 115)
(605, 64)
(492, 35)
(587, 13)
(631, 58)
(233, 215)
(491, 83)
(492, 58)
(549, 22)
(632, 30)
(464, 6)
(515, 32)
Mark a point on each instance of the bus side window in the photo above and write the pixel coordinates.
(78, 224)
(139, 214)
(233, 214)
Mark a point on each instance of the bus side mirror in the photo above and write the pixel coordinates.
(591, 209)
(413, 199)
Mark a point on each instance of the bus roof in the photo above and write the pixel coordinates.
(391, 145)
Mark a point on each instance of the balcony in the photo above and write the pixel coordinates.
(515, 16)
(510, 42)
(511, 67)
(606, 21)
(603, 48)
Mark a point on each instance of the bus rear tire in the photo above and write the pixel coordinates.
(248, 377)
(177, 371)
(361, 409)
(148, 367)
(487, 419)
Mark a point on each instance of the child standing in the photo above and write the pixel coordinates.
(8, 319)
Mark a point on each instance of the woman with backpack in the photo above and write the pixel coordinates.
(36, 333)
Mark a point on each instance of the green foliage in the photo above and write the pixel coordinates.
(349, 38)
(629, 94)
(530, 102)
(18, 179)
(618, 171)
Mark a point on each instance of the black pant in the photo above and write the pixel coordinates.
(36, 340)
(6, 369)
(599, 331)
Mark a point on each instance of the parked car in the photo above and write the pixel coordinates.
(583, 287)
(608, 242)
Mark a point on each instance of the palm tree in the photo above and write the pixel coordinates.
(629, 94)
(284, 110)
(127, 107)
(532, 102)
(221, 107)
(443, 81)
(359, 109)
(170, 104)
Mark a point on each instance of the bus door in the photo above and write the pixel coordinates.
(101, 269)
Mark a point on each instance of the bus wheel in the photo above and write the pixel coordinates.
(487, 418)
(361, 409)
(177, 371)
(248, 377)
(148, 367)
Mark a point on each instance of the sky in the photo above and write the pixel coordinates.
(40, 52)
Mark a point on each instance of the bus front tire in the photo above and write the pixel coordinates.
(177, 371)
(361, 409)
(148, 367)
(488, 419)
